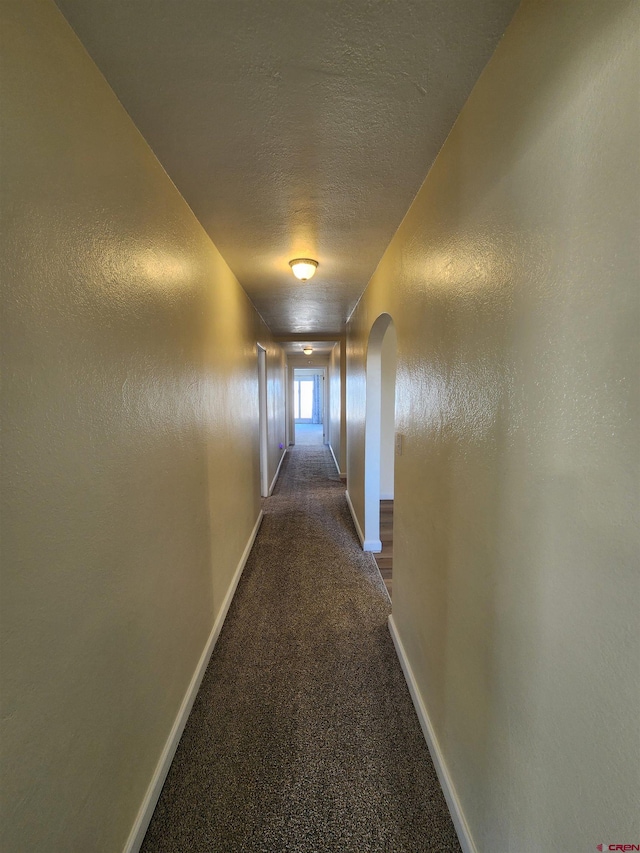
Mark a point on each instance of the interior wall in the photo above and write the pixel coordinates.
(130, 476)
(513, 285)
(387, 412)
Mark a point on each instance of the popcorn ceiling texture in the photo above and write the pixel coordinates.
(294, 129)
(303, 736)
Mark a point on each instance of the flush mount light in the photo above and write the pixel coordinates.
(307, 350)
(303, 268)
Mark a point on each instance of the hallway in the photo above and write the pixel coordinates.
(463, 175)
(303, 736)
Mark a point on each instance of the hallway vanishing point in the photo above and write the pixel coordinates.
(303, 736)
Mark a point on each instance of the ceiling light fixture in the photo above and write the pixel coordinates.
(307, 350)
(303, 268)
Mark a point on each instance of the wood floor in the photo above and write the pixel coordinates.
(385, 558)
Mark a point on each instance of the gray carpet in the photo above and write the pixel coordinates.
(309, 434)
(303, 736)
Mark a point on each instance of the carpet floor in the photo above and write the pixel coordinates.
(303, 736)
(309, 434)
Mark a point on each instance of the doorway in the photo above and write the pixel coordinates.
(309, 400)
(262, 403)
(379, 449)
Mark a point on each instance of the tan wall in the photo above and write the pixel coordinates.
(130, 429)
(513, 285)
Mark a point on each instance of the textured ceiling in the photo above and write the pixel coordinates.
(294, 128)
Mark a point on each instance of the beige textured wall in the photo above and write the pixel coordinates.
(130, 445)
(513, 284)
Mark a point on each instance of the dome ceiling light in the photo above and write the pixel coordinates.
(303, 268)
(307, 350)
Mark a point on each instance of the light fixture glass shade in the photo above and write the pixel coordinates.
(303, 268)
(307, 350)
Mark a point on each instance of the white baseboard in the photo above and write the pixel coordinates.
(373, 560)
(141, 824)
(277, 474)
(341, 474)
(354, 517)
(373, 545)
(448, 788)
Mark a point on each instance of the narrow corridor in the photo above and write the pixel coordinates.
(303, 736)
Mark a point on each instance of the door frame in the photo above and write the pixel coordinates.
(263, 421)
(373, 434)
(321, 365)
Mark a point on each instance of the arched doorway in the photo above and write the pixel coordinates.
(379, 444)
(262, 404)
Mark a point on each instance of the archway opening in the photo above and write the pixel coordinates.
(262, 405)
(380, 438)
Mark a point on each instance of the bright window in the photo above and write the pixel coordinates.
(303, 399)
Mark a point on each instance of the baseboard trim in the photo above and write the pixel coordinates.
(141, 824)
(375, 562)
(373, 545)
(277, 474)
(341, 474)
(448, 788)
(354, 517)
